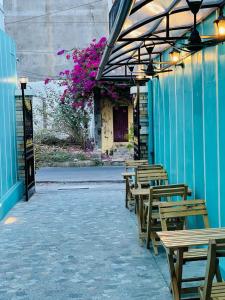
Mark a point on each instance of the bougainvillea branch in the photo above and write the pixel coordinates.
(79, 82)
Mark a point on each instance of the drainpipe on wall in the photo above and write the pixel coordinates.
(138, 121)
(151, 152)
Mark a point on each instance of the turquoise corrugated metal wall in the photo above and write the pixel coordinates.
(10, 187)
(189, 124)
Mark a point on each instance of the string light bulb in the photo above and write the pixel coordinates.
(175, 56)
(220, 23)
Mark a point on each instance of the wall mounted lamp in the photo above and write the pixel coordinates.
(174, 55)
(23, 82)
(220, 23)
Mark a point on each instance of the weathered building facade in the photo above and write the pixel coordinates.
(114, 124)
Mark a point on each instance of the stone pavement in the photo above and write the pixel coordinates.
(77, 242)
(74, 242)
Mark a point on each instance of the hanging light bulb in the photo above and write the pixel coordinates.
(220, 23)
(175, 55)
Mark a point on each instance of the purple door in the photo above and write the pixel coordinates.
(120, 123)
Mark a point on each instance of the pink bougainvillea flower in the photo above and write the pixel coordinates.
(60, 52)
(47, 80)
(67, 72)
(93, 74)
(79, 81)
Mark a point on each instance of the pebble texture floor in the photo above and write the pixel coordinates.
(77, 242)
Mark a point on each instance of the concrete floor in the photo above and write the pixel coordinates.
(77, 241)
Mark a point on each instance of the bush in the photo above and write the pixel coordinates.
(46, 137)
(81, 156)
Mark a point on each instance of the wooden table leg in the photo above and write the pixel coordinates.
(179, 268)
(141, 208)
(138, 216)
(127, 192)
(174, 283)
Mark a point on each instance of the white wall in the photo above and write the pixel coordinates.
(49, 26)
(110, 3)
(2, 25)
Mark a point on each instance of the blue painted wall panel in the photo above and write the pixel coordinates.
(167, 125)
(221, 131)
(198, 126)
(10, 188)
(191, 136)
(151, 132)
(180, 126)
(173, 127)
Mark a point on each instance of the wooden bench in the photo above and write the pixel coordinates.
(181, 210)
(178, 212)
(131, 180)
(156, 195)
(179, 241)
(130, 165)
(134, 163)
(150, 175)
(213, 290)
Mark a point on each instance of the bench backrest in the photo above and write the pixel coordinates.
(135, 163)
(152, 175)
(216, 249)
(168, 191)
(182, 209)
(158, 193)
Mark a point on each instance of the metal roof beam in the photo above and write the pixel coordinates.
(123, 12)
(148, 20)
(162, 15)
(145, 36)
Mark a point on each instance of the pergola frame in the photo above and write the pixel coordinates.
(118, 57)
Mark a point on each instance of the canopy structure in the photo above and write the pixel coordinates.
(137, 24)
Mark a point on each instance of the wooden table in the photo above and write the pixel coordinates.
(180, 241)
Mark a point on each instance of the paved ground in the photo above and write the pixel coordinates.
(77, 242)
(87, 174)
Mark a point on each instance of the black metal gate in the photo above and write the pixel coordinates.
(28, 147)
(137, 125)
